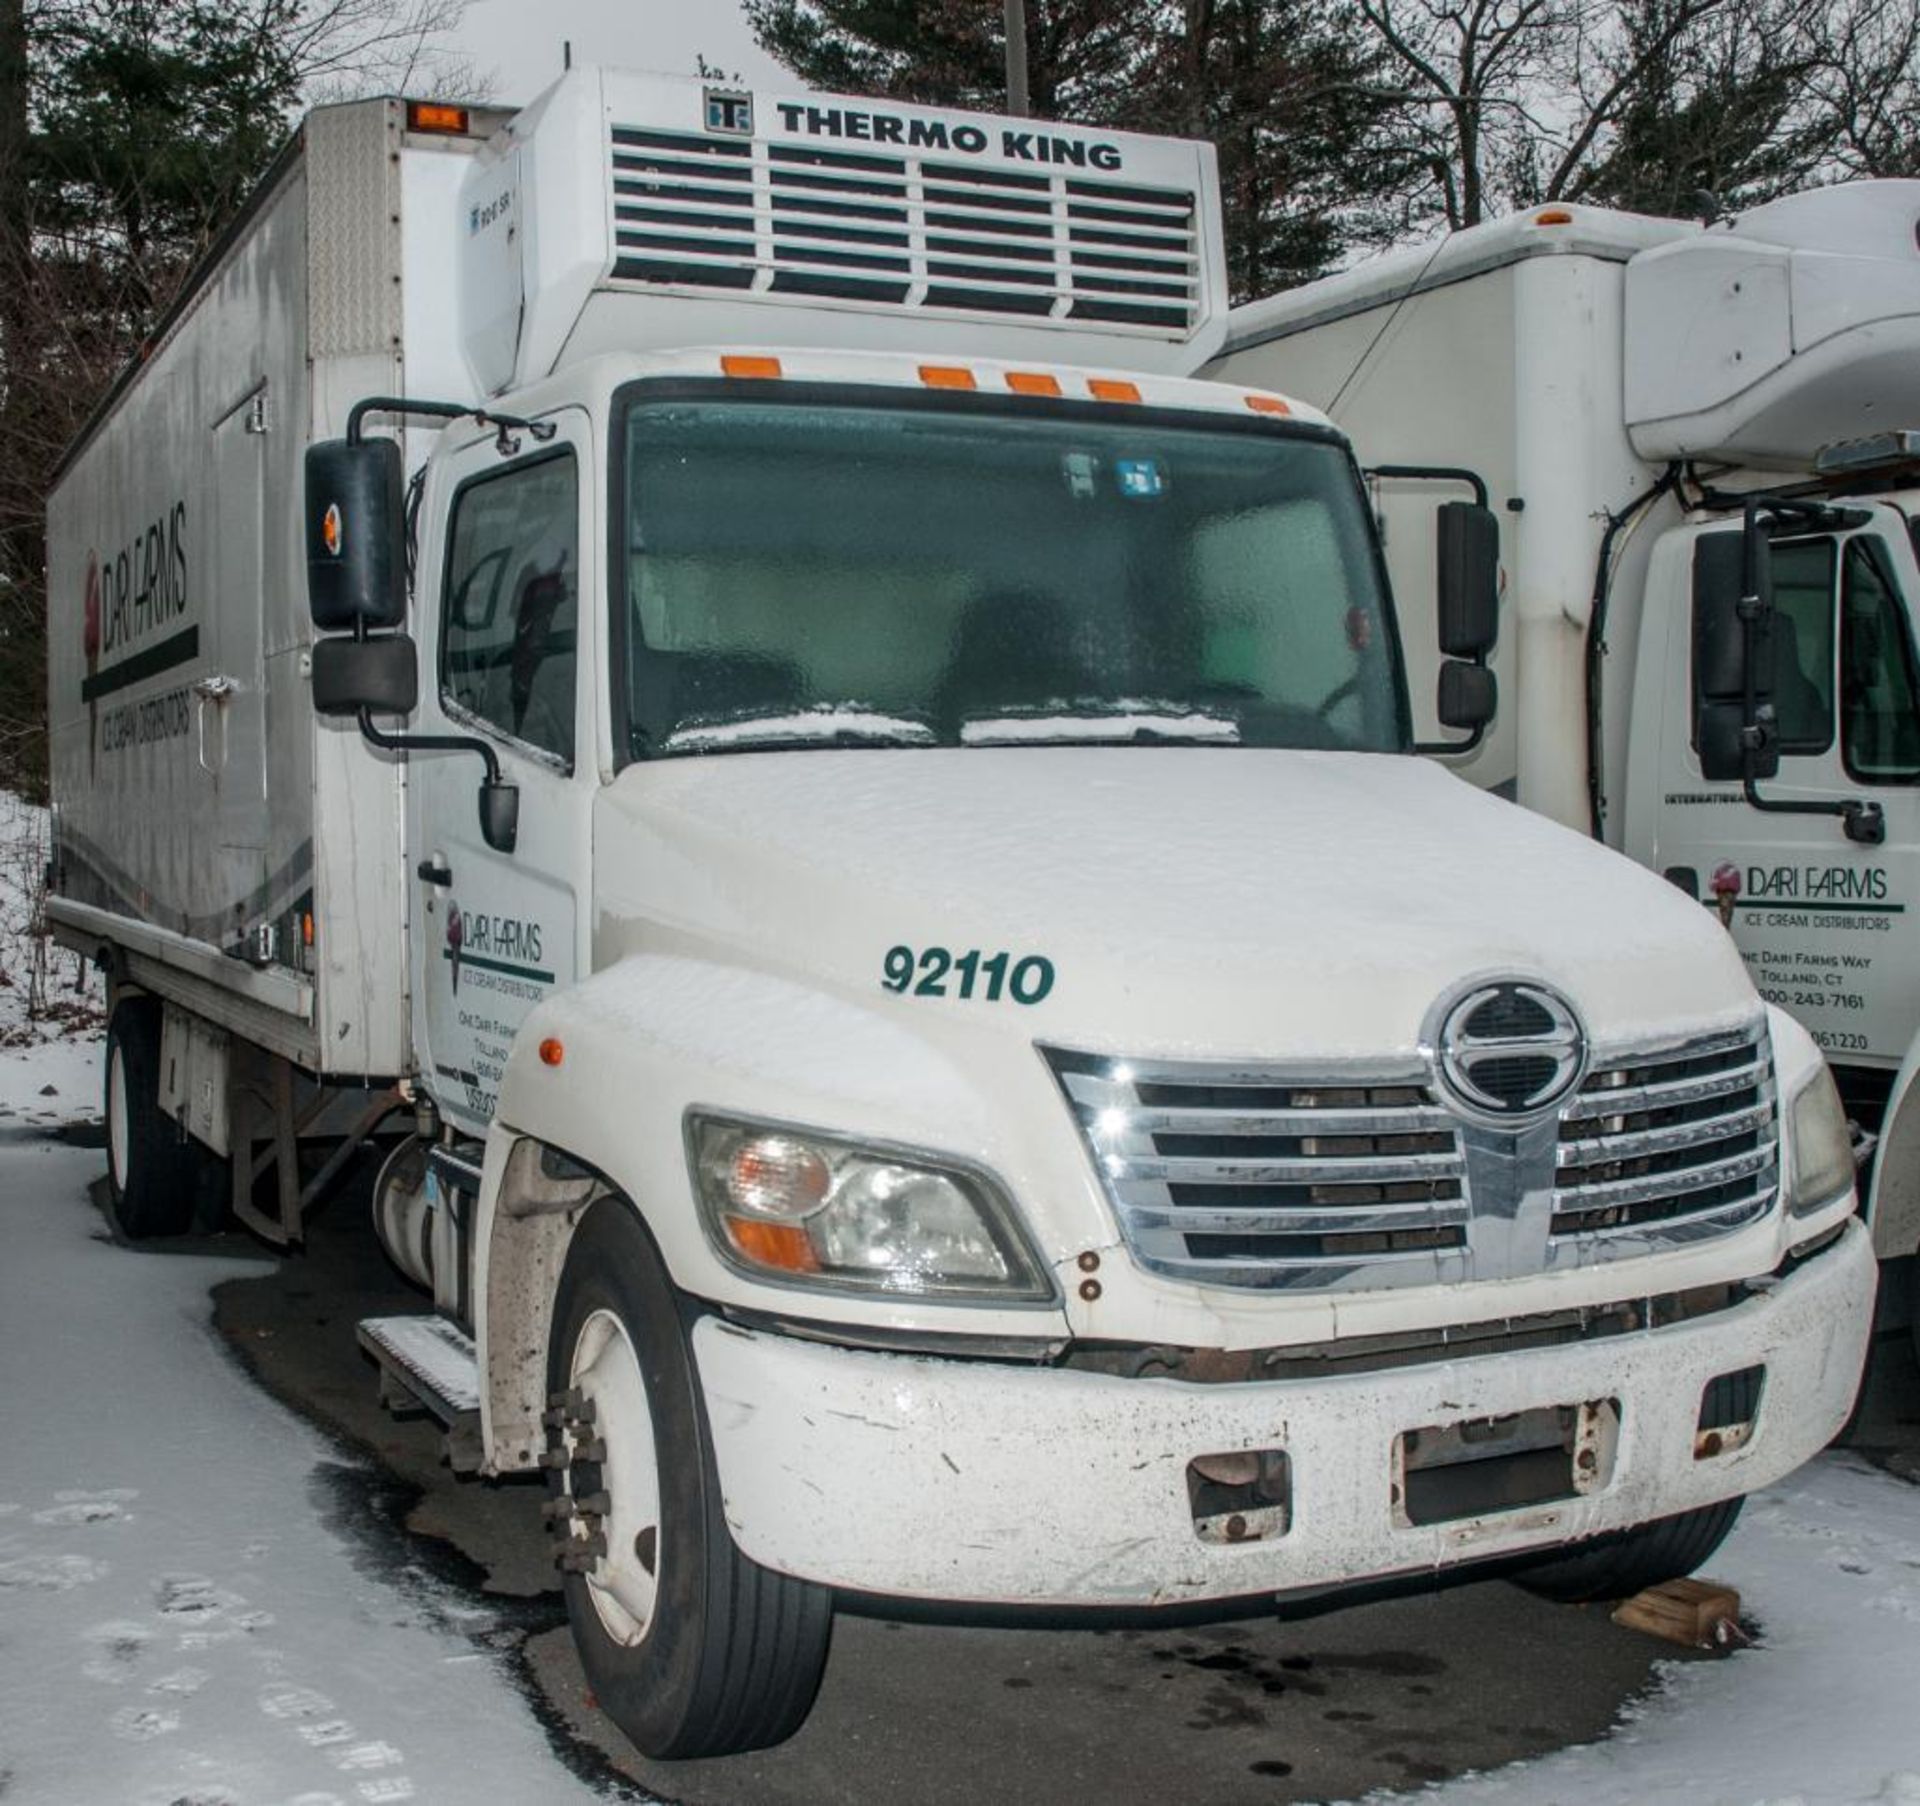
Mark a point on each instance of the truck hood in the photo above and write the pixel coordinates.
(1191, 902)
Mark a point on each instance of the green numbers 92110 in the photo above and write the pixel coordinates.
(995, 978)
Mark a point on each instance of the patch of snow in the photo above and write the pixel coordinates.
(1820, 1712)
(181, 1622)
(50, 1020)
(824, 725)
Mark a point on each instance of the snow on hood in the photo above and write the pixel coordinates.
(1193, 901)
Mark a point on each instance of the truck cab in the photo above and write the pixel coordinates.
(1822, 915)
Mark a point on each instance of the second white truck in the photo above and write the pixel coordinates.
(1647, 400)
(690, 661)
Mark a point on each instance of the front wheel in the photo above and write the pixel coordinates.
(692, 1649)
(1617, 1567)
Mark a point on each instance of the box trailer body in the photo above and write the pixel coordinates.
(1623, 384)
(955, 996)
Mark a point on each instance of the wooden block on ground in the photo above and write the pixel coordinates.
(1697, 1613)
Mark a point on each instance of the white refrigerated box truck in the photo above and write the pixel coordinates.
(1626, 387)
(858, 835)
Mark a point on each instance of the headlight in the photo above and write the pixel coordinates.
(1822, 1145)
(818, 1210)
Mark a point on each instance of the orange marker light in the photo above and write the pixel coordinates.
(761, 368)
(306, 929)
(1554, 216)
(433, 116)
(1104, 388)
(331, 532)
(783, 1246)
(552, 1051)
(1268, 404)
(947, 376)
(1032, 382)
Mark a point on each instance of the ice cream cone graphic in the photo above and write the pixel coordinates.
(456, 937)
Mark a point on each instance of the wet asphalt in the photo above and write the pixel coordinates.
(1319, 1703)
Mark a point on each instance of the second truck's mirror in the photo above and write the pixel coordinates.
(356, 534)
(1468, 694)
(500, 815)
(1733, 658)
(1468, 589)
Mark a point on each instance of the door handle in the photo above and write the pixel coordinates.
(434, 871)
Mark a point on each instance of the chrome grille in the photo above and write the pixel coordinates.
(1252, 1177)
(1668, 1146)
(1248, 1175)
(902, 231)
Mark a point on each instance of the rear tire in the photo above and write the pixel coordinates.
(692, 1649)
(1617, 1567)
(153, 1170)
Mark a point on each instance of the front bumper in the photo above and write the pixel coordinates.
(969, 1482)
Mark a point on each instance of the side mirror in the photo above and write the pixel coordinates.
(1467, 591)
(350, 675)
(1469, 695)
(500, 815)
(356, 534)
(1733, 656)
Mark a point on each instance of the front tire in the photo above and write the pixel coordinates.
(692, 1649)
(1617, 1567)
(153, 1170)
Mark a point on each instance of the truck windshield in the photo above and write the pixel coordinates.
(826, 572)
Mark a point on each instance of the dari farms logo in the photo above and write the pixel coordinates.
(133, 626)
(456, 940)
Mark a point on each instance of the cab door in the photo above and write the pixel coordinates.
(507, 657)
(1827, 925)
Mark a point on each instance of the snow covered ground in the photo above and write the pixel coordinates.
(180, 1625)
(1824, 1711)
(49, 1030)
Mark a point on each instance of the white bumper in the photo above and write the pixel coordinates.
(976, 1482)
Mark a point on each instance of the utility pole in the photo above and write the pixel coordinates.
(1018, 103)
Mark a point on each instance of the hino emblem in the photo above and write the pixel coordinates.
(1508, 1049)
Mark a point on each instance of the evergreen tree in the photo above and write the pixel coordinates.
(1281, 87)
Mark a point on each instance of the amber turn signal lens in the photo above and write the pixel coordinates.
(782, 1246)
(552, 1052)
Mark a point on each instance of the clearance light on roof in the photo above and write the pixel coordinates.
(1554, 216)
(1104, 388)
(432, 116)
(754, 368)
(947, 376)
(1268, 404)
(1032, 382)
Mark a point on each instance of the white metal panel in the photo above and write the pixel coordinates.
(833, 221)
(1779, 331)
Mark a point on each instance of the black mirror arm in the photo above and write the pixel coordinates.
(508, 424)
(1471, 743)
(430, 743)
(1433, 473)
(1864, 823)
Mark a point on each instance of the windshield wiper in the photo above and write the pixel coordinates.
(811, 727)
(1141, 727)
